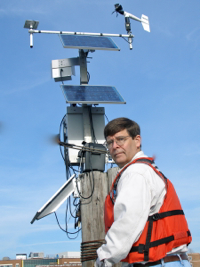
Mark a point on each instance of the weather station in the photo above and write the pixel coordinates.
(82, 125)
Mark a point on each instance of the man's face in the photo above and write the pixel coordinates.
(123, 153)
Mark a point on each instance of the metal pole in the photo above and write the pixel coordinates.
(83, 67)
(82, 33)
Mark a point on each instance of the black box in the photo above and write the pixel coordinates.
(95, 161)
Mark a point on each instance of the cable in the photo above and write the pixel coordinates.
(107, 118)
(74, 213)
(59, 223)
(62, 228)
(69, 168)
(66, 222)
(65, 155)
(61, 70)
(92, 185)
(70, 209)
(61, 124)
(88, 76)
(126, 40)
(78, 204)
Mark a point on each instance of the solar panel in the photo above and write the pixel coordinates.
(88, 42)
(57, 199)
(91, 94)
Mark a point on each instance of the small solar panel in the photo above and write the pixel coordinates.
(91, 94)
(88, 42)
(57, 199)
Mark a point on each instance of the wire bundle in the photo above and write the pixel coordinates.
(73, 206)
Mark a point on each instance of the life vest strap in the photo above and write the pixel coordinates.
(144, 160)
(142, 249)
(148, 239)
(158, 216)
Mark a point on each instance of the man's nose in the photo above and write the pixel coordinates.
(115, 145)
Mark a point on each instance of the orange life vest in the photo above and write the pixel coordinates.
(163, 231)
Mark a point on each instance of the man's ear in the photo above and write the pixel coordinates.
(138, 141)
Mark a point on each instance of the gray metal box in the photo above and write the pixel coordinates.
(76, 126)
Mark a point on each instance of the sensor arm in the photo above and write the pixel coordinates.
(131, 16)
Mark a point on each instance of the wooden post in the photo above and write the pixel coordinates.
(92, 221)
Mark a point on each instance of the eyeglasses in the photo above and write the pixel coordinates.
(119, 140)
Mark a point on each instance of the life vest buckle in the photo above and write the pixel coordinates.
(141, 248)
(156, 217)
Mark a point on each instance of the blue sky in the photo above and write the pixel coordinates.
(159, 79)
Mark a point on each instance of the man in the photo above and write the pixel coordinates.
(144, 221)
